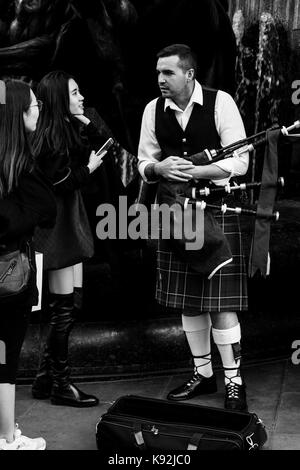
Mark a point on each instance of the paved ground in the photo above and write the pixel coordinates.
(273, 393)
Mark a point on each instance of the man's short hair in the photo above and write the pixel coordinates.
(187, 58)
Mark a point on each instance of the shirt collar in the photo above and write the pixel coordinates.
(197, 97)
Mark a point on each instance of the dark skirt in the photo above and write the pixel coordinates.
(179, 287)
(70, 241)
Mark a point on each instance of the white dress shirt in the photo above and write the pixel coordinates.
(228, 122)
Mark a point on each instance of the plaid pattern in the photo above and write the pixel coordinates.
(178, 287)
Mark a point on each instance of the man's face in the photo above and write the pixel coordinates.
(172, 79)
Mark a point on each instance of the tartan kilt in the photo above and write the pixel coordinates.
(179, 287)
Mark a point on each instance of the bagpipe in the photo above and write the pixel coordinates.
(202, 196)
(206, 157)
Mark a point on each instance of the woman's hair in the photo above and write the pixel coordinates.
(15, 152)
(56, 124)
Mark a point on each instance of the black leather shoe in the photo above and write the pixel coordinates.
(70, 395)
(235, 397)
(198, 385)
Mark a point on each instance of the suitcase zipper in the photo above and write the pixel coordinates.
(9, 271)
(156, 431)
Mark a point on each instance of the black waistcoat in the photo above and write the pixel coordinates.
(200, 132)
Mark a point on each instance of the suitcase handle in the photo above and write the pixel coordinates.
(138, 436)
(195, 441)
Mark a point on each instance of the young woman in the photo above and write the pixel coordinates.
(62, 146)
(26, 201)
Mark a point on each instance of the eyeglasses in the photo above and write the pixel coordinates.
(39, 104)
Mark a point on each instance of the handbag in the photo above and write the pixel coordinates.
(15, 271)
(140, 424)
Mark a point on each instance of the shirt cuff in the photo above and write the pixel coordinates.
(149, 176)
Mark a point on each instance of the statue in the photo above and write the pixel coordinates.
(111, 45)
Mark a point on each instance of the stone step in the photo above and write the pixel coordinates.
(132, 348)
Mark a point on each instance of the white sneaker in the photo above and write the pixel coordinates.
(23, 443)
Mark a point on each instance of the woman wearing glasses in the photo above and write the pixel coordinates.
(62, 145)
(26, 201)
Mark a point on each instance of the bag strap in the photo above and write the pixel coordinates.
(138, 436)
(195, 441)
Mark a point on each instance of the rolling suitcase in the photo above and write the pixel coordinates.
(150, 425)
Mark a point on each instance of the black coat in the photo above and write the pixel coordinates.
(69, 243)
(30, 205)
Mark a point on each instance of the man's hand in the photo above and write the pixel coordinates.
(172, 168)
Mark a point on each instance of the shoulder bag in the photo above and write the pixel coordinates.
(15, 270)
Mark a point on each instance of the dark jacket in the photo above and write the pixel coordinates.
(31, 204)
(68, 172)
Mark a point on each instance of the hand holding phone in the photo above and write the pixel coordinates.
(106, 146)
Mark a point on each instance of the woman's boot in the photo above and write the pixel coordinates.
(42, 384)
(61, 322)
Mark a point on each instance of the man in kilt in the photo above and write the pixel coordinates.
(187, 119)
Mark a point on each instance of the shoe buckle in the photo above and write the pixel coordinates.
(252, 445)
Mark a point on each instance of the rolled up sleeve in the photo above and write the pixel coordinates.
(149, 151)
(231, 129)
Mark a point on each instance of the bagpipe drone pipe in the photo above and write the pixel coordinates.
(202, 200)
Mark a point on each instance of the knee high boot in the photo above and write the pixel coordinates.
(42, 384)
(43, 381)
(61, 324)
(63, 391)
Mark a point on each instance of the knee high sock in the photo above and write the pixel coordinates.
(197, 330)
(224, 340)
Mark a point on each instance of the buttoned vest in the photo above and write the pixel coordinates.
(200, 132)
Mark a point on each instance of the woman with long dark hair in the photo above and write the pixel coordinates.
(62, 145)
(26, 201)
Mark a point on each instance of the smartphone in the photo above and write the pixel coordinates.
(106, 146)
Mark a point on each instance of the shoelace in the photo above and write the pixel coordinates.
(232, 390)
(195, 377)
(197, 374)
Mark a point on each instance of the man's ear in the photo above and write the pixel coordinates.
(190, 74)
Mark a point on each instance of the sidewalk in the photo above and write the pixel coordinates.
(273, 393)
